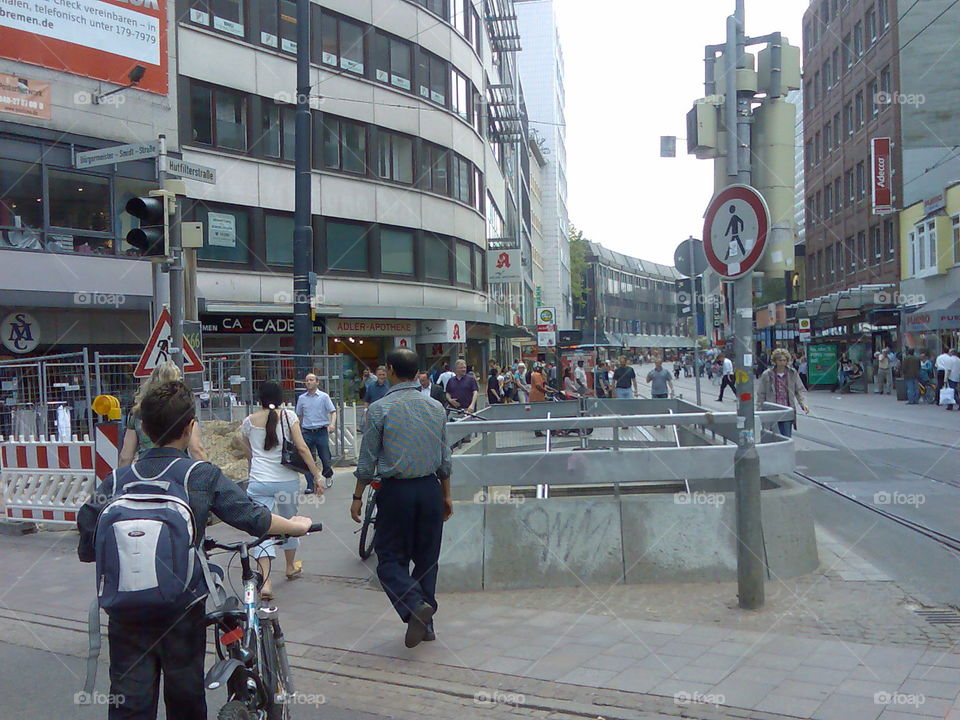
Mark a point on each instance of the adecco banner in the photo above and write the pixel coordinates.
(880, 165)
(71, 35)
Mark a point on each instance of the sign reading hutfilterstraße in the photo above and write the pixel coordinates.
(101, 39)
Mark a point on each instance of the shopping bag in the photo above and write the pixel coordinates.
(948, 396)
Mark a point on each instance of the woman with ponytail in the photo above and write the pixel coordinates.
(271, 484)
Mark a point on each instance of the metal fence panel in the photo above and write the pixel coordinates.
(35, 392)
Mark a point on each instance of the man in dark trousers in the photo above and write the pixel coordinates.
(405, 444)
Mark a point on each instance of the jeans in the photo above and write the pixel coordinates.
(785, 427)
(140, 652)
(280, 498)
(913, 390)
(317, 439)
(624, 393)
(409, 529)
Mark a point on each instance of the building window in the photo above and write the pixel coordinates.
(830, 271)
(228, 16)
(808, 154)
(848, 118)
(21, 203)
(847, 51)
(816, 148)
(885, 87)
(391, 61)
(433, 168)
(494, 220)
(891, 241)
(862, 248)
(461, 179)
(279, 239)
(827, 138)
(836, 130)
(871, 29)
(828, 200)
(851, 255)
(460, 94)
(816, 87)
(876, 244)
(278, 24)
(432, 77)
(279, 131)
(436, 258)
(476, 29)
(837, 194)
(458, 16)
(861, 181)
(346, 246)
(437, 7)
(882, 15)
(339, 43)
(827, 82)
(478, 274)
(872, 97)
(395, 157)
(835, 62)
(859, 109)
(218, 117)
(79, 203)
(227, 233)
(858, 40)
(851, 188)
(463, 264)
(344, 145)
(396, 251)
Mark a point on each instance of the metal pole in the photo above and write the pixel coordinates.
(175, 265)
(750, 553)
(694, 304)
(303, 231)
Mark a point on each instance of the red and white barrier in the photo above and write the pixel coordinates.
(107, 441)
(44, 480)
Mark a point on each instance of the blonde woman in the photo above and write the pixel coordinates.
(135, 440)
(781, 384)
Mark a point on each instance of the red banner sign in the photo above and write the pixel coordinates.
(880, 162)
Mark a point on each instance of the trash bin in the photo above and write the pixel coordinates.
(901, 387)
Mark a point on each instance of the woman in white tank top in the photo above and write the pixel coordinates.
(271, 484)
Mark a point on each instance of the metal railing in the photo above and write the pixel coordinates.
(49, 395)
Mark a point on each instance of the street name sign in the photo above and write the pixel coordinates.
(192, 171)
(115, 154)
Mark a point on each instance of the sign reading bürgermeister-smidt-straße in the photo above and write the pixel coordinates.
(101, 39)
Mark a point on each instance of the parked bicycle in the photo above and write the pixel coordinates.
(252, 664)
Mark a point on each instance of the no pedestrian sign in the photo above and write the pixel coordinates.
(735, 230)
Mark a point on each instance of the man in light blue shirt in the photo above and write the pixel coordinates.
(318, 418)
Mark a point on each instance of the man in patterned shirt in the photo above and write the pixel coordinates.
(405, 444)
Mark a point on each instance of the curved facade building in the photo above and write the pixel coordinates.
(413, 170)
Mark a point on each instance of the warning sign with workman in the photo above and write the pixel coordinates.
(159, 349)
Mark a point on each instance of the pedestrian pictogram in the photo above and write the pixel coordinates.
(735, 230)
(159, 350)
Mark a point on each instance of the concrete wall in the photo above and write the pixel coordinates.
(498, 545)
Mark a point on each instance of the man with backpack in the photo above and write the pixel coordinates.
(143, 527)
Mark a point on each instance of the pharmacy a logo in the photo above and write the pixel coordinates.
(21, 333)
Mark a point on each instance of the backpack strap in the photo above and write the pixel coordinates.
(94, 643)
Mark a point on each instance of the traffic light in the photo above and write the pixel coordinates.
(152, 237)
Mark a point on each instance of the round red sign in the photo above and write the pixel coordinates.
(735, 230)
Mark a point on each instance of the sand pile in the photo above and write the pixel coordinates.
(222, 442)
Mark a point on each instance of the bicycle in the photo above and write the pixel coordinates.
(252, 656)
(369, 527)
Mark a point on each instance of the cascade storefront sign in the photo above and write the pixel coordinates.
(252, 324)
(70, 35)
(880, 163)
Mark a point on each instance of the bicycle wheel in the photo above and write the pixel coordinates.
(369, 527)
(275, 678)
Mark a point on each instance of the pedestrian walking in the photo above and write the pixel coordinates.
(911, 376)
(164, 642)
(943, 369)
(928, 383)
(884, 371)
(377, 386)
(802, 370)
(520, 380)
(726, 376)
(781, 384)
(625, 380)
(462, 388)
(571, 388)
(494, 384)
(272, 484)
(579, 374)
(953, 377)
(318, 419)
(363, 384)
(538, 384)
(601, 380)
(406, 446)
(135, 440)
(431, 389)
(661, 384)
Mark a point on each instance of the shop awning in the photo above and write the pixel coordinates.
(511, 331)
(940, 314)
(862, 297)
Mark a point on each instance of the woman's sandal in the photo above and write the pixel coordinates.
(297, 570)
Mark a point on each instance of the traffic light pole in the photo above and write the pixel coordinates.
(303, 230)
(694, 306)
(750, 553)
(175, 265)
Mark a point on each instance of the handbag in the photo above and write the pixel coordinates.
(289, 455)
(948, 396)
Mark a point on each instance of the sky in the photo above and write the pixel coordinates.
(633, 70)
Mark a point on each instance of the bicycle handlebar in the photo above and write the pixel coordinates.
(210, 543)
